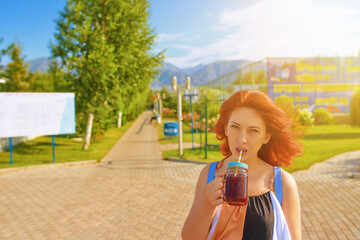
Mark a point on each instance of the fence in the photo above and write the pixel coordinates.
(309, 82)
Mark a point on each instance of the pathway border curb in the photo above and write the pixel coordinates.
(184, 160)
(49, 165)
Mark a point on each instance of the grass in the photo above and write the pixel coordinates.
(319, 144)
(323, 142)
(196, 155)
(39, 150)
(341, 118)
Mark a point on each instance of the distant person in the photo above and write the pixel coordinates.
(154, 115)
(249, 122)
(152, 118)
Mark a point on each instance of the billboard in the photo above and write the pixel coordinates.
(35, 114)
(315, 82)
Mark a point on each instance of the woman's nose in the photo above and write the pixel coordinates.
(243, 138)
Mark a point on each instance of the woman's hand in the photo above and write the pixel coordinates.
(215, 189)
(207, 197)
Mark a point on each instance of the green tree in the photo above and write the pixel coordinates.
(287, 105)
(355, 109)
(2, 52)
(60, 78)
(322, 117)
(16, 71)
(40, 82)
(133, 40)
(306, 118)
(215, 100)
(2, 71)
(169, 99)
(106, 46)
(251, 77)
(239, 79)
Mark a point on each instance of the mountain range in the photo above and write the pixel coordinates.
(199, 74)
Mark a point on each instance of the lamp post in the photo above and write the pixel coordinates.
(175, 86)
(191, 95)
(158, 107)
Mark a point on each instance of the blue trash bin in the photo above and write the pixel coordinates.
(171, 128)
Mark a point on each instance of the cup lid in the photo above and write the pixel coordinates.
(237, 164)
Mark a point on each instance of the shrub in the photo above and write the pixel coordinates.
(305, 118)
(322, 117)
(343, 119)
(355, 109)
(167, 112)
(286, 104)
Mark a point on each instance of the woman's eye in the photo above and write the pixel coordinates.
(254, 130)
(234, 126)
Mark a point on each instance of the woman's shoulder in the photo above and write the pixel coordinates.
(203, 176)
(205, 172)
(205, 169)
(288, 180)
(288, 184)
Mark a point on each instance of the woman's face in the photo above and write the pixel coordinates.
(246, 132)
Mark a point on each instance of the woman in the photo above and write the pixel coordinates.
(249, 122)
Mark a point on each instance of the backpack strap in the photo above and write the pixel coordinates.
(278, 184)
(211, 174)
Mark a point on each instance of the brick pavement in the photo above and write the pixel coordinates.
(330, 198)
(133, 194)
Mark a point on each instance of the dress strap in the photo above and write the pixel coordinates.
(278, 184)
(211, 174)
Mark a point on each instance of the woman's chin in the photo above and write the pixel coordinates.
(244, 160)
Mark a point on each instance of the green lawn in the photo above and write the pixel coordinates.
(320, 143)
(323, 142)
(39, 150)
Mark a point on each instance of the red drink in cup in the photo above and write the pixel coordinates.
(236, 184)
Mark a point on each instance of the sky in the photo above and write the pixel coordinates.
(204, 31)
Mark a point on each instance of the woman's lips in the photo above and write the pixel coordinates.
(243, 151)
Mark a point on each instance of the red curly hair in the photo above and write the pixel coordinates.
(282, 147)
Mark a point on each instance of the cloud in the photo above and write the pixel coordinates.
(294, 28)
(164, 37)
(171, 37)
(193, 56)
(279, 28)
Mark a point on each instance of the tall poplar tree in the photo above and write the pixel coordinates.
(106, 46)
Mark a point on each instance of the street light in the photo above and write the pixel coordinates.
(158, 107)
(175, 86)
(191, 95)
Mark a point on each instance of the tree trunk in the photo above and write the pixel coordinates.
(88, 131)
(119, 119)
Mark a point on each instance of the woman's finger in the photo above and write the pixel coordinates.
(218, 201)
(216, 182)
(221, 175)
(218, 193)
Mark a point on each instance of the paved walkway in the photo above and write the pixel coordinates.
(133, 194)
(172, 146)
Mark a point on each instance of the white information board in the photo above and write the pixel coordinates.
(36, 114)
